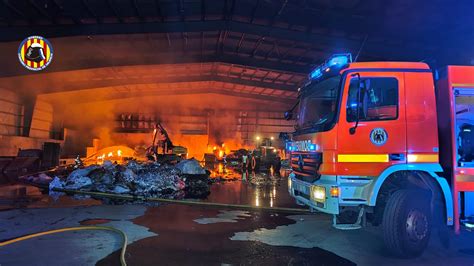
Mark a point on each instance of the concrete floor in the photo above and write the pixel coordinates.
(185, 235)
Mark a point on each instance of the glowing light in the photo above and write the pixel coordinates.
(312, 147)
(119, 153)
(257, 137)
(110, 154)
(318, 193)
(257, 198)
(422, 158)
(469, 225)
(274, 150)
(339, 60)
(272, 138)
(214, 148)
(221, 153)
(316, 73)
(334, 192)
(223, 145)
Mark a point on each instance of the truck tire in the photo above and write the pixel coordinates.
(407, 223)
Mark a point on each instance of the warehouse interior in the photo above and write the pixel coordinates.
(219, 77)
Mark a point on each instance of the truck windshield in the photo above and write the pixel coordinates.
(318, 103)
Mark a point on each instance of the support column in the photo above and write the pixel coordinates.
(28, 102)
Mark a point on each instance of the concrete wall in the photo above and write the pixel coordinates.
(11, 119)
(9, 145)
(10, 113)
(42, 122)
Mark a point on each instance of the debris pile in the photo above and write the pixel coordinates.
(148, 179)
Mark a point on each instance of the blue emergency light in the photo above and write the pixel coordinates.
(334, 62)
(315, 74)
(339, 60)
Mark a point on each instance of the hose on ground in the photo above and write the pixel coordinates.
(124, 237)
(183, 202)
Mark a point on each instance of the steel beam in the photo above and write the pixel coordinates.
(42, 11)
(92, 84)
(114, 10)
(16, 10)
(129, 95)
(18, 32)
(89, 9)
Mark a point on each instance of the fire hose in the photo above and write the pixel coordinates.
(130, 197)
(124, 237)
(182, 202)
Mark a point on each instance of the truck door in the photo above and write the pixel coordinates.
(379, 140)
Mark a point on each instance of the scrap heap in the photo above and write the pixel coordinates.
(146, 179)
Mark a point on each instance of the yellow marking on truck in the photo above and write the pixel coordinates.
(455, 85)
(362, 158)
(422, 158)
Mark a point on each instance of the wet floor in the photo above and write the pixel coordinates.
(257, 189)
(193, 235)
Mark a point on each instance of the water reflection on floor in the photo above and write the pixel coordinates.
(232, 185)
(14, 196)
(254, 188)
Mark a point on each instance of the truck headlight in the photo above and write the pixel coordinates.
(318, 193)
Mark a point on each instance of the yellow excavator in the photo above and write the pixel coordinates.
(169, 152)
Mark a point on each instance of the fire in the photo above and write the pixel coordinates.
(112, 153)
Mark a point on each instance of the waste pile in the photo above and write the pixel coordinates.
(187, 179)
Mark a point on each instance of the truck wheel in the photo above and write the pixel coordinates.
(407, 223)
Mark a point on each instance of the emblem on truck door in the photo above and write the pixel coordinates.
(378, 136)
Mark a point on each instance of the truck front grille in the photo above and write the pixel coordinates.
(305, 165)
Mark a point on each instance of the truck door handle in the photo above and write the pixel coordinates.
(397, 156)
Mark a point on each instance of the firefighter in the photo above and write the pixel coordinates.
(244, 161)
(78, 162)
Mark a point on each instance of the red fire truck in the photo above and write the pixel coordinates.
(379, 143)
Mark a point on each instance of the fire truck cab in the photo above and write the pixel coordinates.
(377, 143)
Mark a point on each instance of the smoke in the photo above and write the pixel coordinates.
(92, 113)
(185, 117)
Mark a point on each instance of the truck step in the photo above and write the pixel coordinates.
(354, 226)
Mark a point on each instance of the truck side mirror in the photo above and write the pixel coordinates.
(352, 130)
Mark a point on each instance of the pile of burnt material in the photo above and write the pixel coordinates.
(187, 179)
